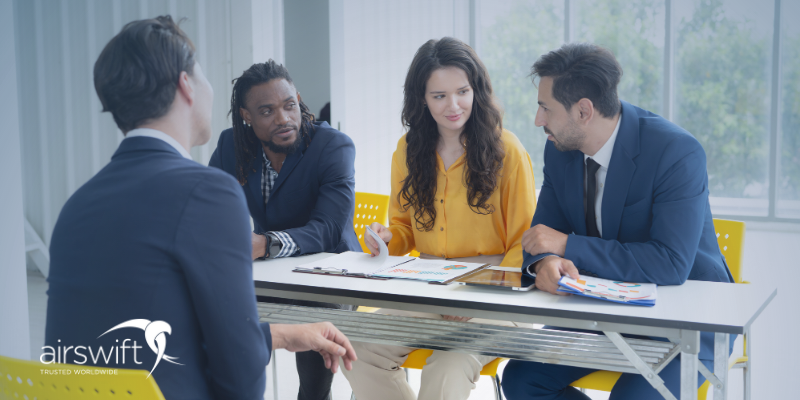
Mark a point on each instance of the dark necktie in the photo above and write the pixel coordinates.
(590, 197)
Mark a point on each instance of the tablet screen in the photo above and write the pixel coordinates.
(500, 279)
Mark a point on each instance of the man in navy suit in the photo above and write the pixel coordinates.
(150, 265)
(297, 175)
(625, 196)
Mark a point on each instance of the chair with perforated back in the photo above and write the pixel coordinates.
(22, 379)
(730, 237)
(417, 359)
(370, 207)
(365, 214)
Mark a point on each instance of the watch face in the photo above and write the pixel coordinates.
(275, 245)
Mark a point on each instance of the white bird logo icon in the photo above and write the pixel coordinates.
(154, 335)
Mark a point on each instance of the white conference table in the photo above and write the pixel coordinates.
(680, 314)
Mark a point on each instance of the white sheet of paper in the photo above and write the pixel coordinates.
(351, 262)
(429, 270)
(383, 251)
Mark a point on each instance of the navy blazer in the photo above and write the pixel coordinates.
(657, 223)
(158, 237)
(313, 199)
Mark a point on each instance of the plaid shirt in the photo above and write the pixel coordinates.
(268, 177)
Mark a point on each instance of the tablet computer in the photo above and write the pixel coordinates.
(497, 278)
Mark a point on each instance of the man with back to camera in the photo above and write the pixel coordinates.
(156, 240)
(297, 175)
(641, 216)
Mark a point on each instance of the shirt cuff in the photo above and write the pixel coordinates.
(529, 269)
(289, 248)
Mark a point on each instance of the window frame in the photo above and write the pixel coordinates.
(668, 92)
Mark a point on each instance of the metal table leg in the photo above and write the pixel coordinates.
(721, 365)
(274, 376)
(644, 369)
(748, 339)
(690, 348)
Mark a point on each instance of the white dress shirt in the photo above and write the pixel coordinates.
(147, 132)
(602, 157)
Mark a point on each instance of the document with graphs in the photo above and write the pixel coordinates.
(384, 266)
(363, 265)
(640, 294)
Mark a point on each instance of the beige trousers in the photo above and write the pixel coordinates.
(377, 374)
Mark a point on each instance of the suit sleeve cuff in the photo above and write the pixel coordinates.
(529, 261)
(289, 247)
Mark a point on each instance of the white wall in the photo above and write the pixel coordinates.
(65, 137)
(372, 44)
(308, 50)
(14, 332)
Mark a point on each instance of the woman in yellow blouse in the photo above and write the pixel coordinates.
(462, 188)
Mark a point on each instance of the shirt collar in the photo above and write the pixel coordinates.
(603, 156)
(152, 133)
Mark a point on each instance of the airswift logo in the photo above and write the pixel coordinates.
(155, 335)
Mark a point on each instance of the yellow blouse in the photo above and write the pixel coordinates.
(458, 231)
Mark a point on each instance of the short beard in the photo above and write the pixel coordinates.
(288, 149)
(572, 138)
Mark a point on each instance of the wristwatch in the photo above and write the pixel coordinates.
(274, 245)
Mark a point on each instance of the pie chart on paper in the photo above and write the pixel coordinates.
(449, 267)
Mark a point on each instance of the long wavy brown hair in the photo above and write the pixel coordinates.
(481, 134)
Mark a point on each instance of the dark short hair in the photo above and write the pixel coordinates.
(137, 73)
(582, 70)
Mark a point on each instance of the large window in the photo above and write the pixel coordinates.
(513, 33)
(788, 177)
(723, 57)
(708, 65)
(634, 31)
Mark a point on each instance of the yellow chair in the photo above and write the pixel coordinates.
(370, 207)
(365, 214)
(417, 358)
(730, 237)
(22, 379)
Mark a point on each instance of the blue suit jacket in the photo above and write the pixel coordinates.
(313, 199)
(657, 224)
(159, 237)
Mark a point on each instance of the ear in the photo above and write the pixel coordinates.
(300, 99)
(245, 115)
(185, 88)
(585, 109)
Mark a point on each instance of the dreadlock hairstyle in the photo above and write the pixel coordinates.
(246, 144)
(481, 134)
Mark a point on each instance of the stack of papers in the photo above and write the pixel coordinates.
(642, 294)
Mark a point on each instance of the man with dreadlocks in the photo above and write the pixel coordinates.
(298, 177)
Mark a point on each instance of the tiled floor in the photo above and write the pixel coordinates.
(769, 257)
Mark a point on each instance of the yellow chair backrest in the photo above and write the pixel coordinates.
(370, 207)
(22, 379)
(730, 237)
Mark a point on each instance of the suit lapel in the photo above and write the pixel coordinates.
(288, 165)
(620, 171)
(574, 193)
